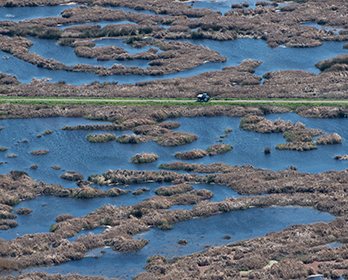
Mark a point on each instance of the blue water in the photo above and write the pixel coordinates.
(46, 208)
(50, 50)
(222, 6)
(101, 23)
(131, 10)
(236, 51)
(72, 151)
(239, 225)
(23, 13)
(273, 59)
(323, 27)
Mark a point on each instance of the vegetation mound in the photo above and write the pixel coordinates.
(144, 158)
(101, 138)
(297, 146)
(24, 211)
(329, 139)
(176, 138)
(193, 154)
(39, 152)
(171, 190)
(72, 176)
(129, 139)
(218, 149)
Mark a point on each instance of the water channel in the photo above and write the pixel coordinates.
(72, 151)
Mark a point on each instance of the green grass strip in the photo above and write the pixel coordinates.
(169, 102)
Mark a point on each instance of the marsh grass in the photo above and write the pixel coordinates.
(101, 138)
(129, 139)
(219, 149)
(144, 158)
(165, 226)
(47, 132)
(297, 146)
(193, 154)
(329, 139)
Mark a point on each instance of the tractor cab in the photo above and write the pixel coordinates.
(203, 97)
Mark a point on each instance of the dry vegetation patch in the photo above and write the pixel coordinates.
(24, 211)
(171, 190)
(329, 139)
(219, 149)
(193, 154)
(101, 138)
(144, 158)
(39, 152)
(176, 138)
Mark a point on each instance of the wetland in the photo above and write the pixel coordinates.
(170, 191)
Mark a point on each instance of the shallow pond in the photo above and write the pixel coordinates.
(24, 13)
(323, 27)
(50, 50)
(101, 23)
(238, 225)
(236, 51)
(222, 6)
(131, 10)
(72, 151)
(46, 207)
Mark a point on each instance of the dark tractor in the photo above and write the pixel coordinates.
(203, 97)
